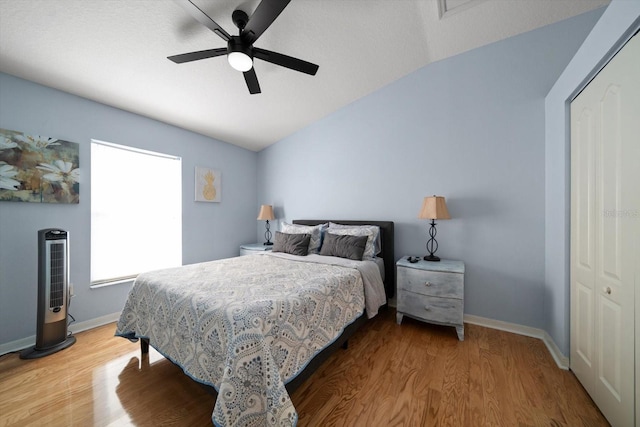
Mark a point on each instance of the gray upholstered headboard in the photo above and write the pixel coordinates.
(387, 254)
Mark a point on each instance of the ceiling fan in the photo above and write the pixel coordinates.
(240, 50)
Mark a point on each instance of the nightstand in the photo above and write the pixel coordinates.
(254, 248)
(432, 292)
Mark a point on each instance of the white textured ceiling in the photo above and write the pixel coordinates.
(114, 52)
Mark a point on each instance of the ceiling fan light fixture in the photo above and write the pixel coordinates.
(239, 55)
(240, 61)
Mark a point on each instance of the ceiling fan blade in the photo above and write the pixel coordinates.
(252, 81)
(201, 54)
(264, 15)
(285, 61)
(199, 15)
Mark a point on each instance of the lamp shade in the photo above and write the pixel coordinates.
(434, 207)
(266, 213)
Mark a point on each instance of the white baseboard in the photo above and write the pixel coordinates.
(561, 360)
(17, 345)
(94, 323)
(74, 328)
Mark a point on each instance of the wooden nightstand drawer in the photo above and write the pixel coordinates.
(433, 283)
(432, 309)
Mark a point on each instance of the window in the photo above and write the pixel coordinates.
(136, 212)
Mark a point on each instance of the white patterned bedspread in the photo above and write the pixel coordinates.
(248, 325)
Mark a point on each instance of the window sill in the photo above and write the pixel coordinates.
(115, 282)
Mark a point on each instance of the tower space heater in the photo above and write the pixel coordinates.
(53, 294)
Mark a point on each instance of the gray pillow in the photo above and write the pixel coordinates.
(294, 244)
(343, 246)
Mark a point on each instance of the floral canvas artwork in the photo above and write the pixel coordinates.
(208, 185)
(38, 169)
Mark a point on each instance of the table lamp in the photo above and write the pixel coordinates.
(266, 214)
(433, 207)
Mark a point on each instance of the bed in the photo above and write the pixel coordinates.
(265, 325)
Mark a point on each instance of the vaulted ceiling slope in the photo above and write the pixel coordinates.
(115, 52)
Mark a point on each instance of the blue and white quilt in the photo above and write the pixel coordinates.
(248, 325)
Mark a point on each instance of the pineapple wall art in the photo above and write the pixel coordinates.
(208, 185)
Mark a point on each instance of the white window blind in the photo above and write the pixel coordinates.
(136, 212)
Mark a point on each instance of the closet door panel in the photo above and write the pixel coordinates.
(583, 332)
(610, 187)
(583, 243)
(605, 146)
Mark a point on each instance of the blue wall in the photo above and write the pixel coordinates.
(619, 21)
(470, 128)
(210, 230)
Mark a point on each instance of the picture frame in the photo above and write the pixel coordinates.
(38, 169)
(208, 185)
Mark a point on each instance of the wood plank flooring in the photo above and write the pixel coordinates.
(409, 375)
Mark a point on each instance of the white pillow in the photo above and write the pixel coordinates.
(372, 232)
(314, 230)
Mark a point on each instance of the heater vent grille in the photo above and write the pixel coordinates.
(57, 271)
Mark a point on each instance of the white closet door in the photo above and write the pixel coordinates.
(583, 242)
(605, 212)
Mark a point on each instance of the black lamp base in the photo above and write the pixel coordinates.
(432, 244)
(267, 235)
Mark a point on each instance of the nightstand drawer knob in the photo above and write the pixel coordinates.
(427, 284)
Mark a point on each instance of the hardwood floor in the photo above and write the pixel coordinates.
(409, 375)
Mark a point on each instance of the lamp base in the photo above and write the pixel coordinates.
(268, 243)
(431, 257)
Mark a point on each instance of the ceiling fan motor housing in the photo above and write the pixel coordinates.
(235, 44)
